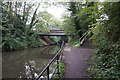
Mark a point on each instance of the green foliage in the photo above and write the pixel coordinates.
(61, 70)
(106, 38)
(68, 25)
(76, 19)
(46, 21)
(16, 29)
(76, 44)
(56, 39)
(33, 41)
(21, 25)
(103, 19)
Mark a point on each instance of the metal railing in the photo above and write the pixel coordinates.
(74, 34)
(47, 67)
(82, 39)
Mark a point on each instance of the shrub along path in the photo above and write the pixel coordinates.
(76, 61)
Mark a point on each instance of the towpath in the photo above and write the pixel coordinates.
(76, 61)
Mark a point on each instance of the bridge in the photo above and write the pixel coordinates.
(70, 57)
(55, 32)
(52, 32)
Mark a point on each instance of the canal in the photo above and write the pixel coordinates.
(27, 63)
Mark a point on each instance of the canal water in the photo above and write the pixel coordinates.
(27, 63)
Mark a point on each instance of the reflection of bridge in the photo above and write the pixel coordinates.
(55, 32)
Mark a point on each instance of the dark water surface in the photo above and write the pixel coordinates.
(27, 63)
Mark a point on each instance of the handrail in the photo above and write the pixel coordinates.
(83, 36)
(81, 40)
(47, 67)
(75, 33)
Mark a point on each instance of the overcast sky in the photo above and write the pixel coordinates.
(57, 11)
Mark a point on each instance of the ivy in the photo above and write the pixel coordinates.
(106, 37)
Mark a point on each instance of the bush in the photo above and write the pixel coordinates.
(106, 55)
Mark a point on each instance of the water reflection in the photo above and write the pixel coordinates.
(27, 63)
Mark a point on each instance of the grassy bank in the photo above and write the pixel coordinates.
(61, 71)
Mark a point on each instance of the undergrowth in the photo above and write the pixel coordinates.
(60, 76)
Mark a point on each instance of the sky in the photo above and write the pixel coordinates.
(56, 11)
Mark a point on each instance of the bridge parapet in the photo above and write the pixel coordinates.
(56, 30)
(53, 34)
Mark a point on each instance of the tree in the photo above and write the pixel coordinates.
(106, 37)
(46, 21)
(76, 20)
(15, 24)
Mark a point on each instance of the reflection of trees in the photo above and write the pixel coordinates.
(30, 70)
(14, 63)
